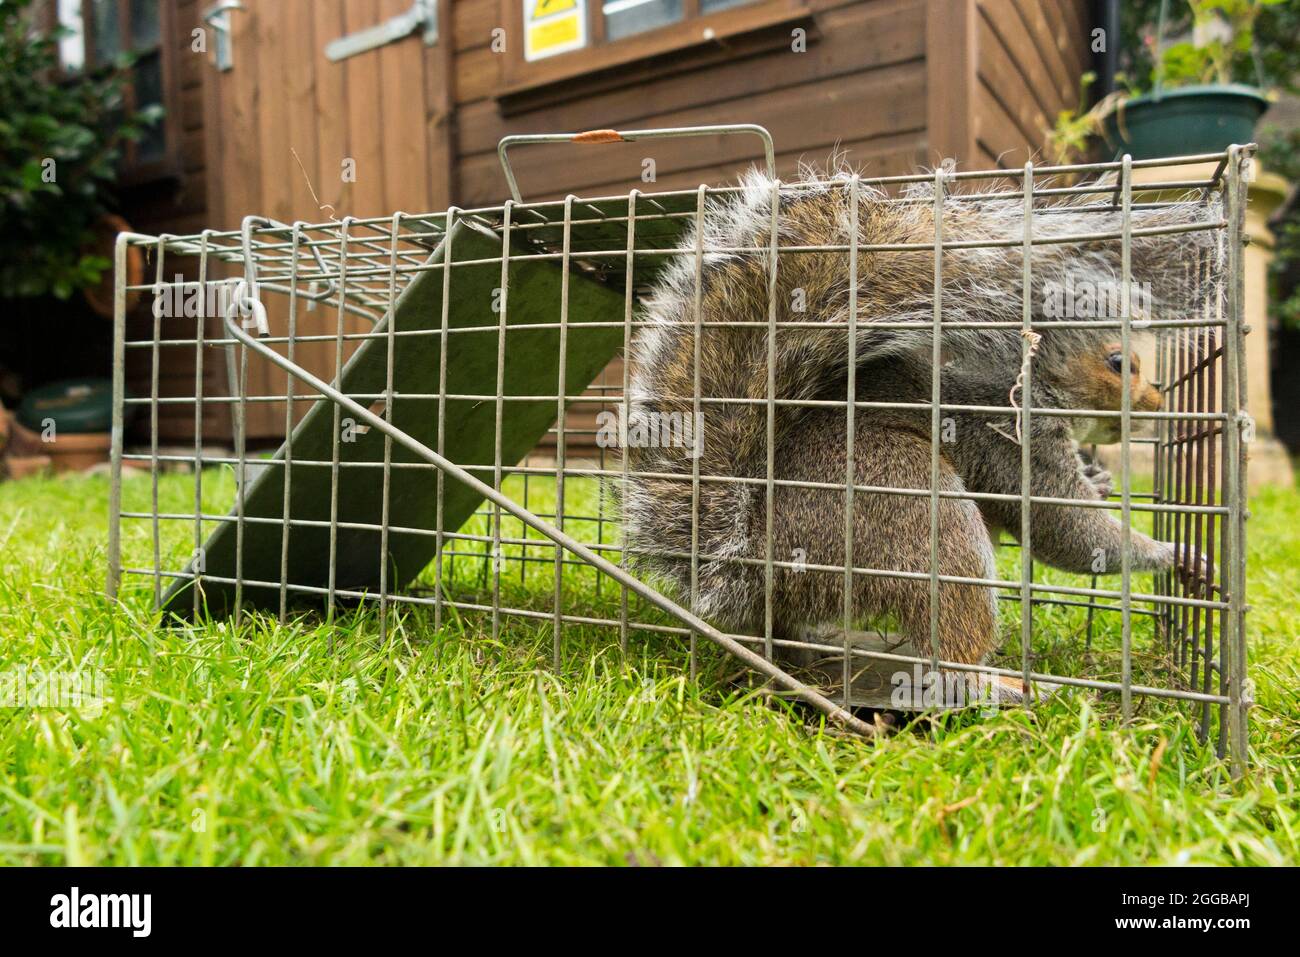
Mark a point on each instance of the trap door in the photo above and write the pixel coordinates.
(596, 315)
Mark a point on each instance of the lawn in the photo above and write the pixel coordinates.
(262, 746)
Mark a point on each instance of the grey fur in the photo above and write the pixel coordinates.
(981, 285)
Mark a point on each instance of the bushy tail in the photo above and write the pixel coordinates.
(894, 264)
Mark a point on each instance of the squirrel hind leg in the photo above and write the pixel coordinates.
(891, 532)
(967, 619)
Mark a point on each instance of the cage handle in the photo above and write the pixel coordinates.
(594, 137)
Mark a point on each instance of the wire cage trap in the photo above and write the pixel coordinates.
(445, 383)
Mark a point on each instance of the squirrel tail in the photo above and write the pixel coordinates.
(697, 483)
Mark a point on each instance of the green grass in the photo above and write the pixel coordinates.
(257, 745)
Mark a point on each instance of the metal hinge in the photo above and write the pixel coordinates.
(424, 14)
(217, 16)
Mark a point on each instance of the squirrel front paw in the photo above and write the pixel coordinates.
(1185, 559)
(1099, 478)
(1193, 563)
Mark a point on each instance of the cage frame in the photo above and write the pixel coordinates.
(272, 258)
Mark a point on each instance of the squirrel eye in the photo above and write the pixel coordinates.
(1116, 362)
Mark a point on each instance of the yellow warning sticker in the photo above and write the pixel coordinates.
(553, 26)
(544, 8)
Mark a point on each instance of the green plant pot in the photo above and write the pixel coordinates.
(74, 405)
(1184, 121)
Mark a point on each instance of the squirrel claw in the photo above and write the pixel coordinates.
(1193, 563)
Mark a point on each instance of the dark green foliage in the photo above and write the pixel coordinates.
(1260, 49)
(60, 143)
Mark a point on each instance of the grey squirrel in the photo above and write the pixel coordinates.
(1073, 368)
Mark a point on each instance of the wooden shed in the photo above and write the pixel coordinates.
(280, 129)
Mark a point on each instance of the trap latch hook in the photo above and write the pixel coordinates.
(246, 298)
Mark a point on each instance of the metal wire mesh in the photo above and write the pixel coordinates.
(321, 292)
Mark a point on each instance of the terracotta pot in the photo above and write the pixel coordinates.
(26, 466)
(100, 297)
(68, 452)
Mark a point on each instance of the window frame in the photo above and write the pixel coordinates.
(693, 30)
(133, 171)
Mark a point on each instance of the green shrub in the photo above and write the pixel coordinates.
(60, 143)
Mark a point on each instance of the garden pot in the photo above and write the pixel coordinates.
(1184, 121)
(68, 421)
(29, 453)
(100, 296)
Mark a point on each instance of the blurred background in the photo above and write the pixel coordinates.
(174, 116)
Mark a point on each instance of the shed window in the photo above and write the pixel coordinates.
(98, 33)
(72, 45)
(626, 17)
(564, 39)
(709, 6)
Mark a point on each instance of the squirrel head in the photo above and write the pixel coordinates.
(1093, 379)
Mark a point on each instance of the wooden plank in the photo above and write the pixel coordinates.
(440, 70)
(329, 111)
(186, 18)
(191, 65)
(240, 170)
(299, 93)
(1077, 16)
(478, 74)
(1034, 13)
(472, 23)
(365, 147)
(216, 89)
(276, 169)
(231, 101)
(1004, 81)
(286, 29)
(365, 196)
(891, 155)
(309, 82)
(950, 66)
(193, 152)
(275, 73)
(801, 117)
(997, 132)
(191, 109)
(402, 114)
(1071, 37)
(1003, 18)
(853, 39)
